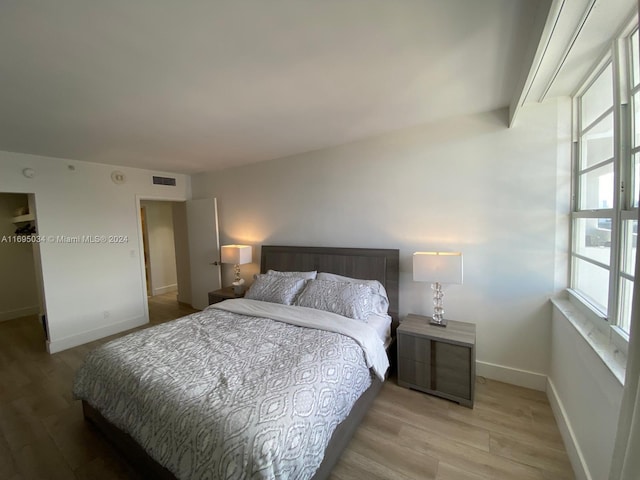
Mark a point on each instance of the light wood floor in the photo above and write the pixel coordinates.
(510, 433)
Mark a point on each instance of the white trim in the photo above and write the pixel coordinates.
(631, 213)
(580, 469)
(597, 337)
(587, 308)
(596, 123)
(593, 213)
(568, 48)
(514, 376)
(620, 339)
(546, 24)
(143, 276)
(95, 334)
(19, 312)
(166, 289)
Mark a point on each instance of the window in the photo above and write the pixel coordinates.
(607, 184)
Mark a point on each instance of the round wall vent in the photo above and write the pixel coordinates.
(118, 177)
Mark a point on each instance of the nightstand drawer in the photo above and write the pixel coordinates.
(414, 373)
(451, 358)
(414, 348)
(435, 377)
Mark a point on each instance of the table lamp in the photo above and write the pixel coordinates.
(236, 255)
(438, 268)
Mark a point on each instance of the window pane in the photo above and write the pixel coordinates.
(592, 238)
(626, 297)
(592, 282)
(597, 143)
(635, 56)
(636, 119)
(629, 243)
(636, 180)
(598, 98)
(596, 188)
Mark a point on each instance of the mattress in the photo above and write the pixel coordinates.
(243, 389)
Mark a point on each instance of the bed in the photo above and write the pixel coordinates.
(303, 388)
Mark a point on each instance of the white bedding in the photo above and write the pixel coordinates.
(224, 394)
(382, 325)
(364, 334)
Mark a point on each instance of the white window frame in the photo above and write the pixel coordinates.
(620, 57)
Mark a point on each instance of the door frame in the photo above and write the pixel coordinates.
(138, 199)
(37, 261)
(145, 252)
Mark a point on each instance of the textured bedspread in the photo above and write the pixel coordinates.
(227, 395)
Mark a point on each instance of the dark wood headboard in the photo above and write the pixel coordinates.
(380, 264)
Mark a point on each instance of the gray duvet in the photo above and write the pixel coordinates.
(226, 395)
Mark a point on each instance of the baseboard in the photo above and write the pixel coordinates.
(165, 289)
(580, 469)
(19, 312)
(96, 334)
(514, 376)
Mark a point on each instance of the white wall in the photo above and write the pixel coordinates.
(91, 289)
(584, 393)
(468, 184)
(18, 288)
(586, 399)
(162, 250)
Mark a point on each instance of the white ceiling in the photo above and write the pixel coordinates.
(193, 85)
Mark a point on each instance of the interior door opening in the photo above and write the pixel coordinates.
(160, 245)
(21, 284)
(181, 249)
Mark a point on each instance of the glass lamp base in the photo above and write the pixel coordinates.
(441, 323)
(438, 308)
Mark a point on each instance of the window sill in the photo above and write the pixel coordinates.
(603, 345)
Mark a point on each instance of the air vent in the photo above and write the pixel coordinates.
(164, 181)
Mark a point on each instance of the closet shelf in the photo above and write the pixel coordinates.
(29, 217)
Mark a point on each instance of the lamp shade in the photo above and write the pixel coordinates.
(440, 267)
(235, 254)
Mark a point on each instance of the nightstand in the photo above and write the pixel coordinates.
(438, 360)
(225, 293)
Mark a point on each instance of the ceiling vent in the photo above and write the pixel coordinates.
(164, 181)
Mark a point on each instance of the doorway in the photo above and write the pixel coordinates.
(21, 289)
(159, 245)
(196, 250)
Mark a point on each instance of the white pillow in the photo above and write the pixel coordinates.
(304, 275)
(275, 289)
(381, 307)
(349, 299)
